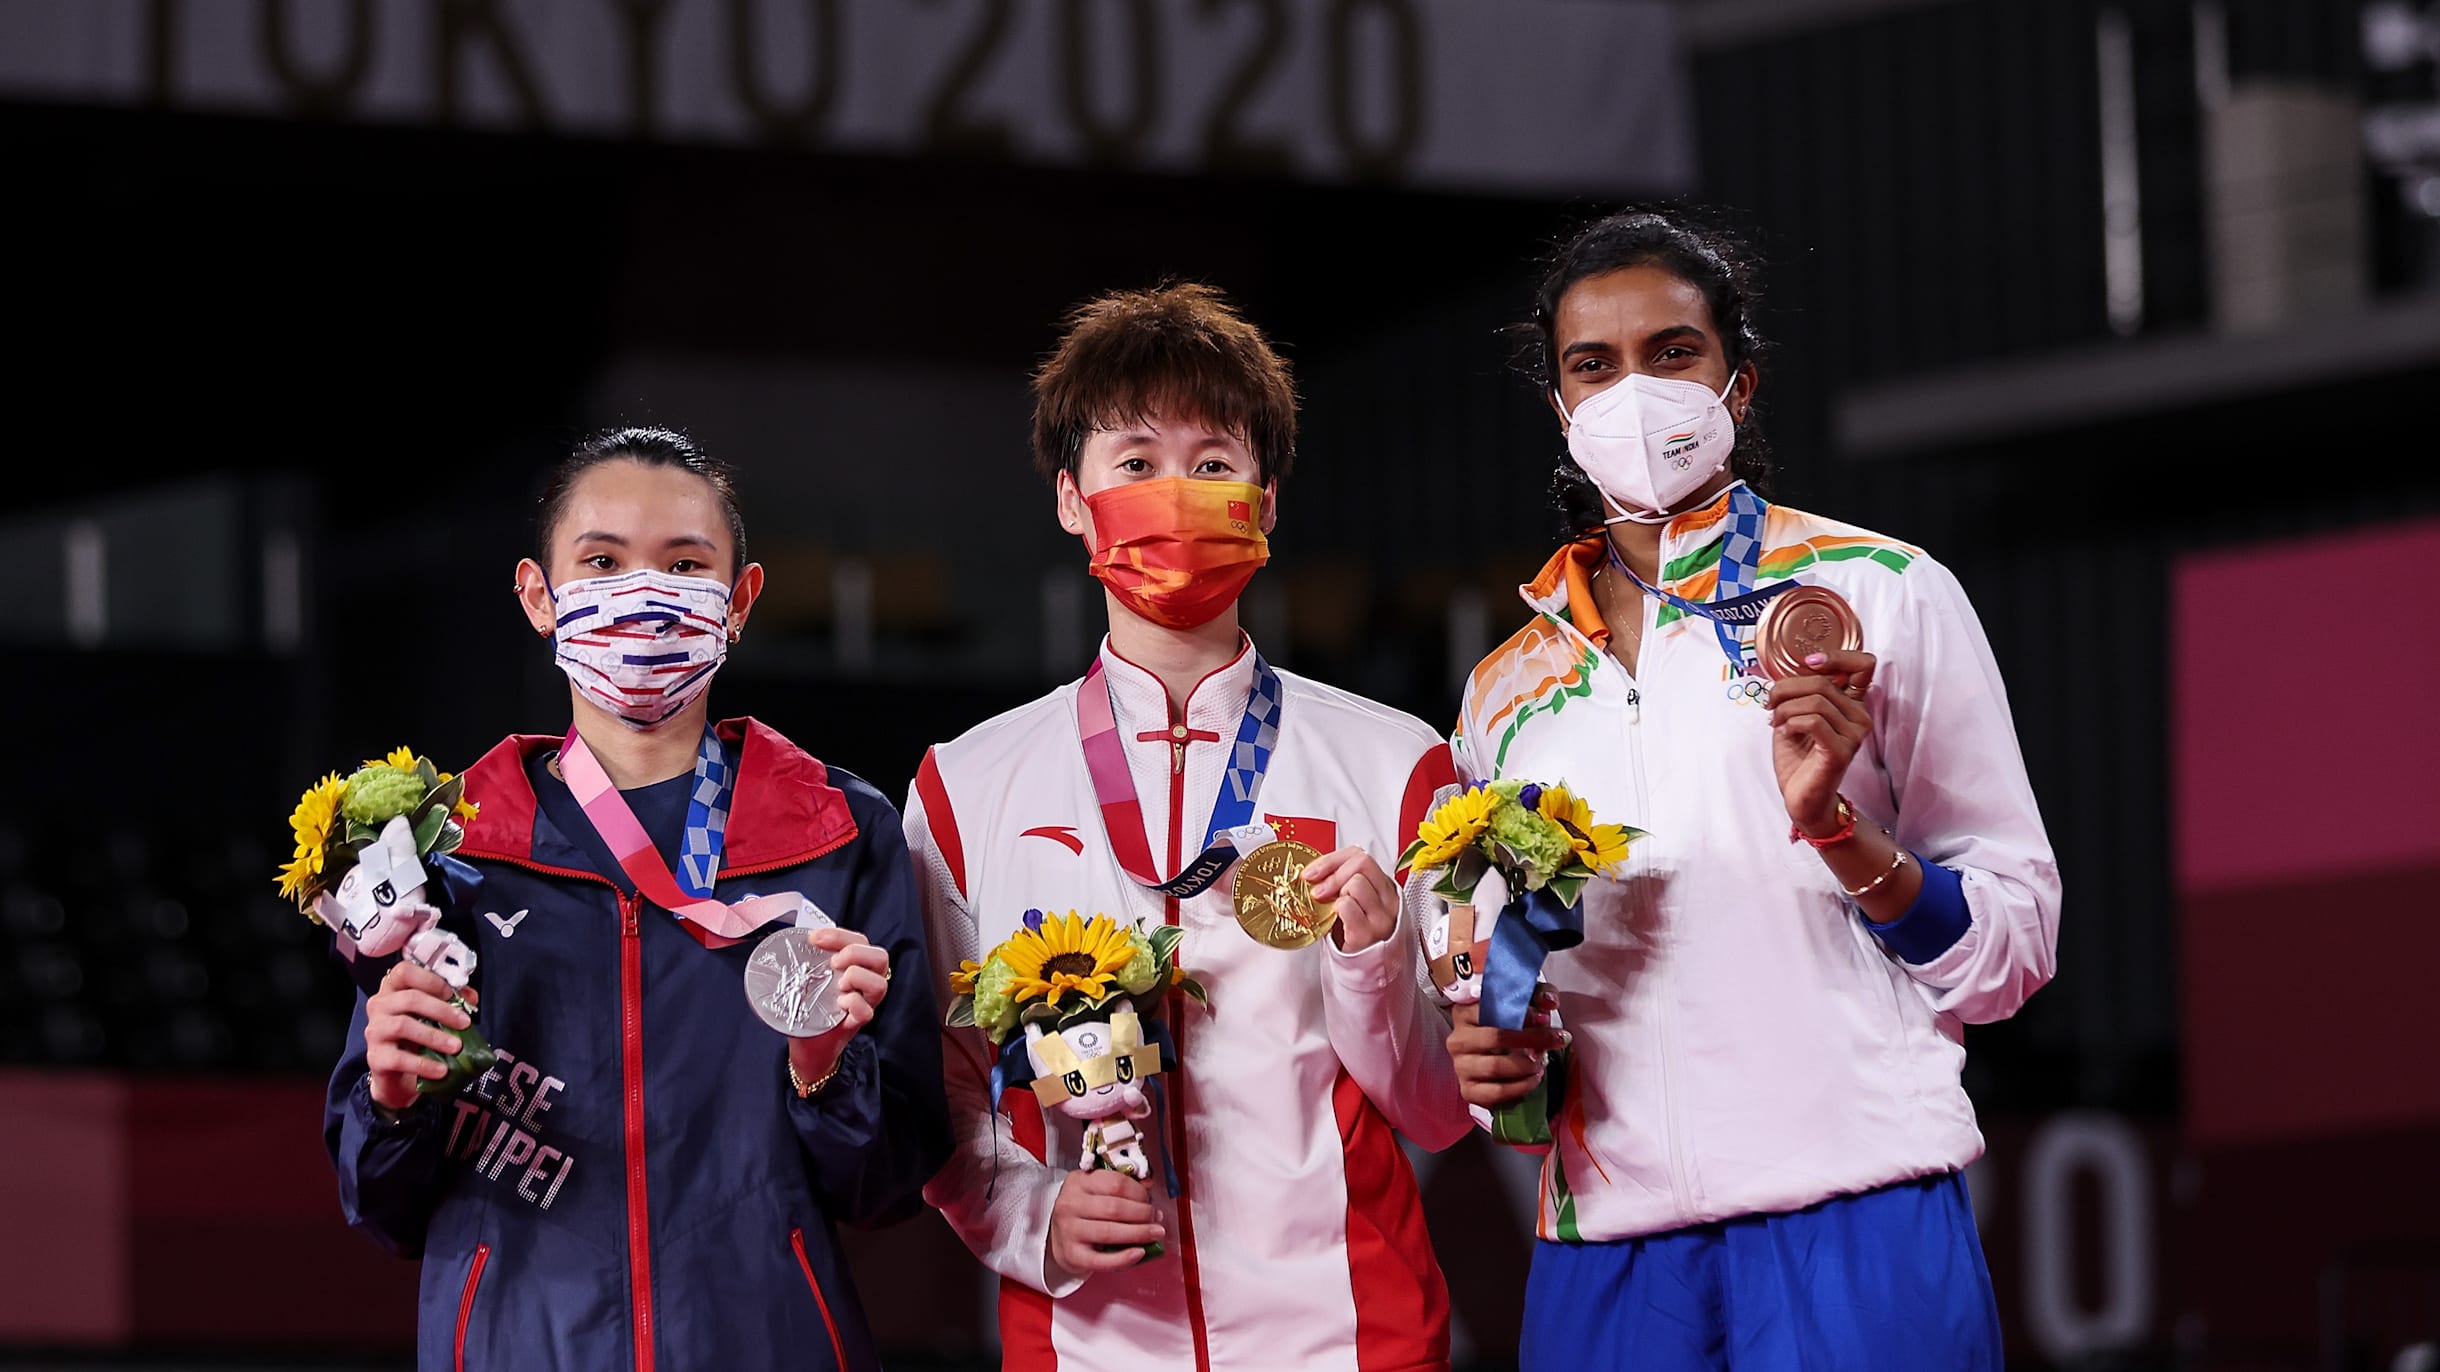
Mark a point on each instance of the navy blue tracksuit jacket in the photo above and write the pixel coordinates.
(635, 1184)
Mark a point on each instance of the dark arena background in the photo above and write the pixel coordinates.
(2128, 310)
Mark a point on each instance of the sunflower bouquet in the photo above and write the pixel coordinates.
(363, 843)
(1058, 999)
(337, 817)
(1536, 837)
(1509, 860)
(1059, 969)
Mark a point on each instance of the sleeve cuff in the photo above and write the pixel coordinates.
(1934, 923)
(1056, 1282)
(1368, 969)
(846, 1112)
(411, 1122)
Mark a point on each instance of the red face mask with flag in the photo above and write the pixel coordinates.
(1175, 550)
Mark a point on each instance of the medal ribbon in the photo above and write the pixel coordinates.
(719, 923)
(1740, 554)
(1534, 926)
(1122, 813)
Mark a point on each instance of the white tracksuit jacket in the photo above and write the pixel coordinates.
(1297, 1239)
(1744, 1043)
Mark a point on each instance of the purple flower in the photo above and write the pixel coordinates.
(1033, 920)
(1530, 796)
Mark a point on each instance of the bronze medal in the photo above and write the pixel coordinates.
(1274, 904)
(1801, 622)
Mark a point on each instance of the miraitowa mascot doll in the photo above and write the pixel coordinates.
(362, 846)
(1058, 1000)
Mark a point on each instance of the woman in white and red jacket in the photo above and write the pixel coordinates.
(651, 1174)
(1295, 1237)
(1758, 1132)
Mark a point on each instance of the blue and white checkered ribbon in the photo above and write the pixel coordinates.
(707, 818)
(1740, 555)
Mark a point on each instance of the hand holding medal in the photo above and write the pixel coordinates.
(1287, 896)
(1801, 622)
(1811, 642)
(1274, 898)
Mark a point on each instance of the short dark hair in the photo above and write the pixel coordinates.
(653, 448)
(1179, 348)
(1697, 246)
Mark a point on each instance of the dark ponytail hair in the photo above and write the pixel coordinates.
(1697, 248)
(653, 448)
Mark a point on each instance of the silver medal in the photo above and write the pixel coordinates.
(790, 983)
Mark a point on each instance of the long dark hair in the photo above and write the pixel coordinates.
(1693, 245)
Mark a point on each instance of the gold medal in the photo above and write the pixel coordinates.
(1274, 904)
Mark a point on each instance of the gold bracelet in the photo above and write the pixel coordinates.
(1875, 884)
(805, 1088)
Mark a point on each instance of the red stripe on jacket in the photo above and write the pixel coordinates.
(1025, 1314)
(1433, 770)
(1401, 1300)
(941, 820)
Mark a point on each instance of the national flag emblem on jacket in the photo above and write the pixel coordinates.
(1321, 835)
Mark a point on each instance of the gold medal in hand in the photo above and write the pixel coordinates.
(1274, 902)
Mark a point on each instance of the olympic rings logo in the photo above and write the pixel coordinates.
(1749, 690)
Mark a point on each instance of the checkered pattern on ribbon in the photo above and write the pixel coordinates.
(707, 818)
(1122, 813)
(1256, 737)
(1740, 543)
(1740, 556)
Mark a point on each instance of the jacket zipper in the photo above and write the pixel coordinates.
(631, 1053)
(474, 1276)
(631, 1043)
(1681, 1184)
(838, 1350)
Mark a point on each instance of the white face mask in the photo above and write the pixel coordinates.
(643, 644)
(1650, 442)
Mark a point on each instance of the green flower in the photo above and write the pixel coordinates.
(995, 1000)
(377, 795)
(1143, 971)
(1540, 844)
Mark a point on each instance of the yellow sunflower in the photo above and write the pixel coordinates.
(1068, 954)
(961, 981)
(316, 814)
(1446, 832)
(401, 758)
(1600, 846)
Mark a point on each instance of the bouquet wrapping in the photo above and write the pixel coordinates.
(372, 864)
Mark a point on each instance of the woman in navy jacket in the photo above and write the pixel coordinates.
(650, 1175)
